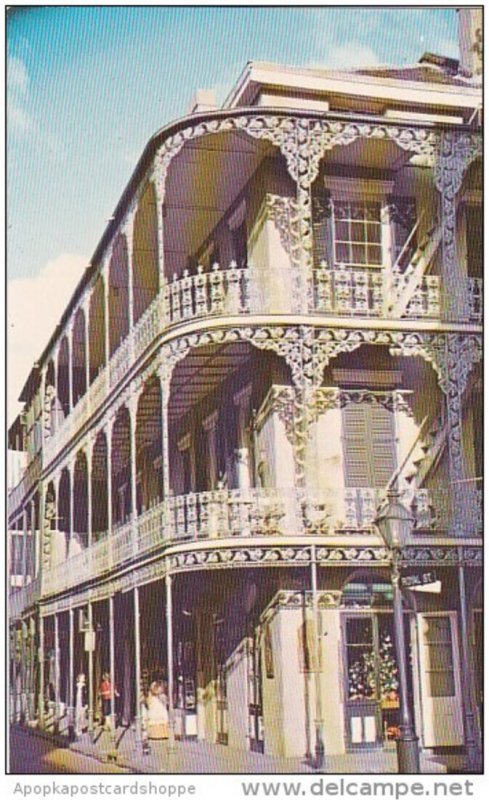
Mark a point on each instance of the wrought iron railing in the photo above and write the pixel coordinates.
(233, 514)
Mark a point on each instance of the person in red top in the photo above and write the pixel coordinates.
(105, 693)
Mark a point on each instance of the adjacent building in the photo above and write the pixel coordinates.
(281, 321)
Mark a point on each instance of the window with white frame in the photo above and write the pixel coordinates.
(350, 223)
(357, 233)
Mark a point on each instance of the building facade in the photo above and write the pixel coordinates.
(281, 321)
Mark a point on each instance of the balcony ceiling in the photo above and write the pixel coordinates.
(204, 179)
(200, 373)
(207, 176)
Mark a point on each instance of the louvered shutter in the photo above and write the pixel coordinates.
(355, 445)
(368, 445)
(322, 230)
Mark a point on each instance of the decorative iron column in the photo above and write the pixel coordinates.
(318, 721)
(169, 656)
(112, 664)
(472, 743)
(457, 151)
(71, 678)
(40, 699)
(56, 674)
(137, 665)
(90, 688)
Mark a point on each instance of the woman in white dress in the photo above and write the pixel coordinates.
(157, 712)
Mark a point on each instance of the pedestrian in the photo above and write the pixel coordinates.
(80, 705)
(105, 693)
(157, 712)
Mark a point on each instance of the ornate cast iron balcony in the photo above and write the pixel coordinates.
(261, 513)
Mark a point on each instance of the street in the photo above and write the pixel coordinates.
(32, 754)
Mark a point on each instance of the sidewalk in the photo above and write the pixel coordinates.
(193, 757)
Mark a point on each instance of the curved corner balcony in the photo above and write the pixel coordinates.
(341, 290)
(233, 515)
(335, 292)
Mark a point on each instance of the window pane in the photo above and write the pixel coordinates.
(342, 231)
(357, 232)
(441, 684)
(439, 657)
(359, 631)
(437, 630)
(373, 211)
(373, 232)
(342, 253)
(359, 254)
(374, 254)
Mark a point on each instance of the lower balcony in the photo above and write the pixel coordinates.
(234, 514)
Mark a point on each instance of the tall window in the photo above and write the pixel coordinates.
(357, 233)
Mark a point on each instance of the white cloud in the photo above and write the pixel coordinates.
(34, 308)
(18, 118)
(350, 55)
(17, 77)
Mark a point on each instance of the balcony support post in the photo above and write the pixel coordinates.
(112, 668)
(472, 743)
(23, 672)
(318, 721)
(25, 526)
(69, 339)
(457, 152)
(89, 495)
(56, 674)
(90, 688)
(164, 378)
(71, 678)
(133, 410)
(40, 697)
(169, 657)
(460, 355)
(137, 670)
(32, 662)
(106, 280)
(108, 439)
(86, 310)
(158, 179)
(71, 472)
(128, 231)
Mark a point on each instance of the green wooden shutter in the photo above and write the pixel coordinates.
(368, 445)
(356, 445)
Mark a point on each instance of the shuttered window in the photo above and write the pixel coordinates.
(368, 445)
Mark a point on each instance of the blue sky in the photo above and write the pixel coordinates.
(87, 87)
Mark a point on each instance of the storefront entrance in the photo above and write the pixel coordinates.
(371, 684)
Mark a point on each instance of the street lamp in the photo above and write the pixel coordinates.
(395, 524)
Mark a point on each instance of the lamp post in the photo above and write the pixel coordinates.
(395, 523)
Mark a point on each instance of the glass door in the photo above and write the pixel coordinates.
(372, 696)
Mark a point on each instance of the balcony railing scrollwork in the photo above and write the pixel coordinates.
(263, 513)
